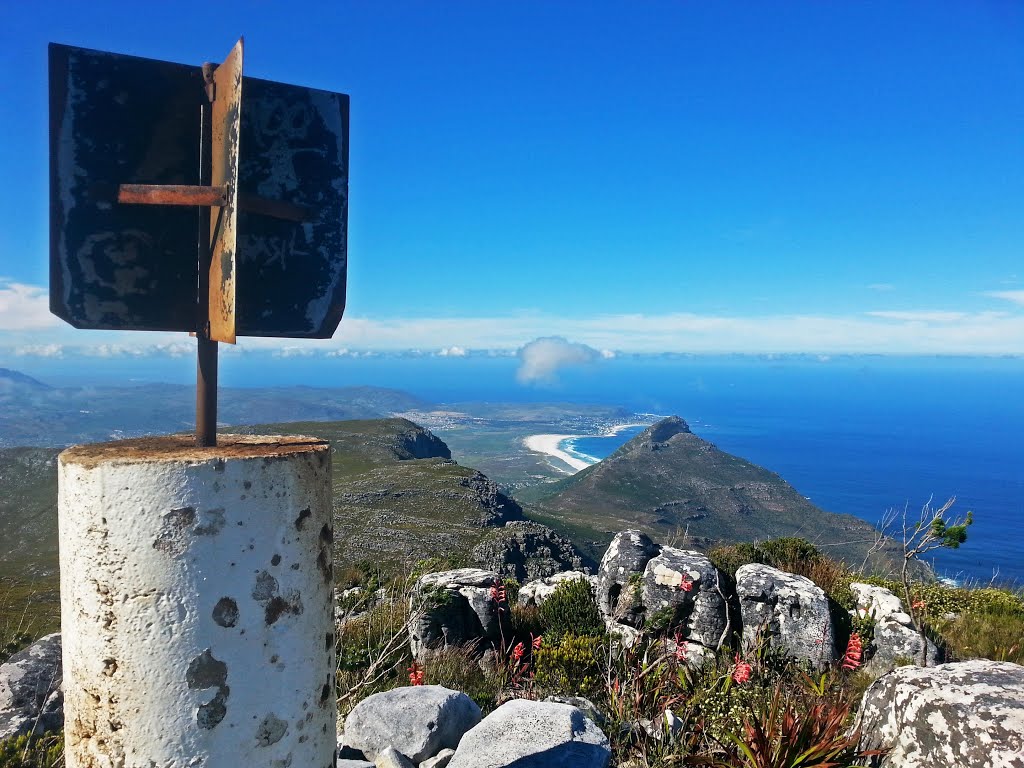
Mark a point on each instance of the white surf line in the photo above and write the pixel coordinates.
(549, 446)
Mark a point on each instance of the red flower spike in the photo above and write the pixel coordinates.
(854, 652)
(537, 642)
(741, 671)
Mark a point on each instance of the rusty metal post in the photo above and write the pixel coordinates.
(206, 351)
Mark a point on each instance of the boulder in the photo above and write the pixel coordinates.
(623, 635)
(418, 721)
(454, 608)
(31, 699)
(618, 577)
(526, 550)
(896, 637)
(683, 589)
(537, 591)
(533, 734)
(583, 704)
(392, 758)
(958, 715)
(440, 760)
(345, 763)
(788, 611)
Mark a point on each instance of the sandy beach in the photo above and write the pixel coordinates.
(548, 445)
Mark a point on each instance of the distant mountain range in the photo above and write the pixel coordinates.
(33, 413)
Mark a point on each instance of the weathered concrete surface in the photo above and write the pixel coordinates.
(790, 612)
(196, 602)
(533, 734)
(964, 715)
(31, 699)
(419, 721)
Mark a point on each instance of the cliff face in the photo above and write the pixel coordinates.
(668, 481)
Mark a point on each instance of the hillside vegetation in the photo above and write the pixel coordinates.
(671, 484)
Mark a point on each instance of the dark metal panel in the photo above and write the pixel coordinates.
(223, 222)
(294, 150)
(121, 120)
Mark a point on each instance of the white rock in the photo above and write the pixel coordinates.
(537, 591)
(533, 734)
(418, 721)
(896, 637)
(791, 612)
(963, 715)
(440, 760)
(455, 608)
(392, 758)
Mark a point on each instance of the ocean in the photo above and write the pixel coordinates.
(858, 434)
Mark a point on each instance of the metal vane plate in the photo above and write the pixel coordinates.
(117, 119)
(294, 148)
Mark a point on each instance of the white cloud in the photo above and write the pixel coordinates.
(24, 307)
(40, 350)
(1017, 297)
(452, 352)
(921, 316)
(541, 359)
(924, 331)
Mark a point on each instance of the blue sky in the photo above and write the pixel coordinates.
(660, 176)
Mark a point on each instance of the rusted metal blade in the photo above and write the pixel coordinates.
(223, 225)
(172, 194)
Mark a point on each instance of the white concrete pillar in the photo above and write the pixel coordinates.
(197, 603)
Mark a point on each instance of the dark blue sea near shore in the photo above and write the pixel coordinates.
(859, 434)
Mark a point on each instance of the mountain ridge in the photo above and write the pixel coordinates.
(668, 481)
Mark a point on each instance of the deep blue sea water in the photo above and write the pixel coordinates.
(854, 434)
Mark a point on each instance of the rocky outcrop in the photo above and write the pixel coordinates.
(618, 577)
(533, 734)
(495, 507)
(964, 715)
(896, 637)
(31, 699)
(683, 590)
(417, 721)
(536, 592)
(525, 550)
(454, 608)
(788, 611)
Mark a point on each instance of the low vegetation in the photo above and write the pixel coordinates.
(753, 710)
(736, 710)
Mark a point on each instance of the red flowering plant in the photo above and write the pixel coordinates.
(416, 674)
(854, 653)
(514, 656)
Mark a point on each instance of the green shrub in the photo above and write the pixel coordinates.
(571, 609)
(571, 666)
(45, 751)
